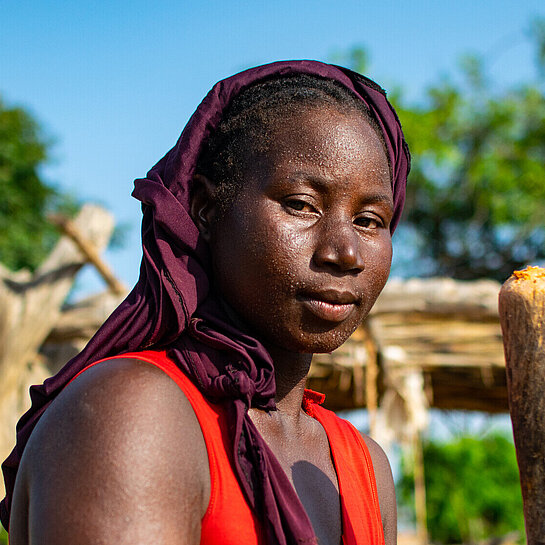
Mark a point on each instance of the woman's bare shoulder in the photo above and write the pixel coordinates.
(118, 456)
(385, 489)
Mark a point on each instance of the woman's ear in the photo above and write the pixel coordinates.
(203, 204)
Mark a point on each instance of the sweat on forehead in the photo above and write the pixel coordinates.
(248, 124)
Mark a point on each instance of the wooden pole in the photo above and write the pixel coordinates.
(522, 316)
(420, 490)
(371, 385)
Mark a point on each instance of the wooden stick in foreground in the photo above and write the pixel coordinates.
(522, 316)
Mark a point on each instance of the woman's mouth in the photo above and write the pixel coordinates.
(329, 306)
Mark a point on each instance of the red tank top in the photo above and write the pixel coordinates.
(228, 519)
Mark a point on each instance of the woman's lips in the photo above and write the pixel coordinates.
(331, 312)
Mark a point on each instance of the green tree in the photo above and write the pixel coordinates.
(472, 489)
(476, 192)
(25, 234)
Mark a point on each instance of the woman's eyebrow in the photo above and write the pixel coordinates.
(319, 182)
(316, 181)
(379, 198)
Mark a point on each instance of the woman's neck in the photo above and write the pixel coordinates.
(291, 370)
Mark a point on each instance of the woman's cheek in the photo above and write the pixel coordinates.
(378, 263)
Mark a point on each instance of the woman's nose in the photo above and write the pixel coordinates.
(340, 248)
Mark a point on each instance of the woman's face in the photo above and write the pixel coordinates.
(305, 248)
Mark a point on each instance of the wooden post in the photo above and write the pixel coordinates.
(522, 316)
(371, 385)
(420, 490)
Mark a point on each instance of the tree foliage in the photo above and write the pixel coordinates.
(476, 192)
(25, 234)
(472, 489)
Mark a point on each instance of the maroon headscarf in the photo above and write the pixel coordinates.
(172, 307)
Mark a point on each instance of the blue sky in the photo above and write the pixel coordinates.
(115, 82)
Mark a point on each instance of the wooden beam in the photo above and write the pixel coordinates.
(90, 251)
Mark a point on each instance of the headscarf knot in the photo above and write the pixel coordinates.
(235, 383)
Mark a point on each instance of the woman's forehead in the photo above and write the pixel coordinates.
(324, 149)
(325, 134)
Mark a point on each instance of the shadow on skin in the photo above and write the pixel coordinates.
(319, 495)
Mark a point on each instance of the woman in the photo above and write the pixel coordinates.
(267, 237)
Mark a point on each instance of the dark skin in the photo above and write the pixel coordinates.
(312, 225)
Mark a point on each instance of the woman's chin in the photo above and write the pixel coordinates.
(315, 341)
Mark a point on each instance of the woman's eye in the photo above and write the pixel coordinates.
(368, 222)
(299, 205)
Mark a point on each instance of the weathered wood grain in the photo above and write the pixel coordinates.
(522, 316)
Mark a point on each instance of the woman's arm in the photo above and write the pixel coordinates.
(118, 458)
(385, 489)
